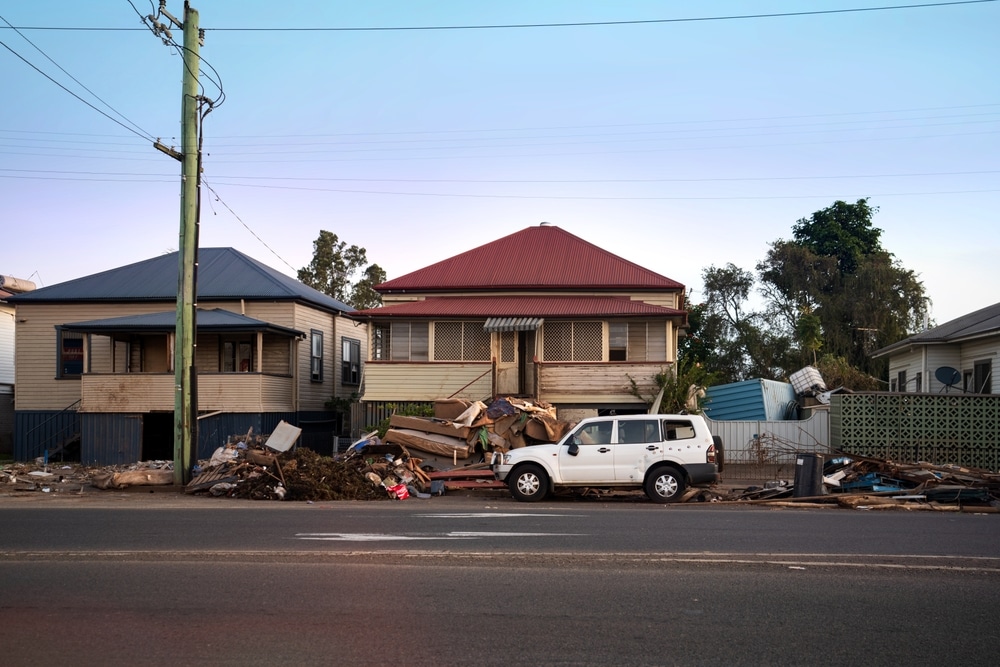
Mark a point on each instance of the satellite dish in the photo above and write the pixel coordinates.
(948, 376)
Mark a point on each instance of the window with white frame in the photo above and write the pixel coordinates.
(316, 355)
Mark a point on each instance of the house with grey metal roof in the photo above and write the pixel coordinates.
(95, 358)
(957, 356)
(540, 313)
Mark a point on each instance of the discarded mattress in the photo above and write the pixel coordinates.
(432, 443)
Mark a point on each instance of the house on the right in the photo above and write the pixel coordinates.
(957, 356)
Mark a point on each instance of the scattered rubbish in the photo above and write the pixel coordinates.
(869, 483)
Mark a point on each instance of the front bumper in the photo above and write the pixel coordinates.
(500, 471)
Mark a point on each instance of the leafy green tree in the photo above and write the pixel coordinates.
(333, 267)
(363, 294)
(836, 269)
(809, 333)
(741, 343)
(843, 231)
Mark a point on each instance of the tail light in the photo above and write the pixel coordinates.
(710, 454)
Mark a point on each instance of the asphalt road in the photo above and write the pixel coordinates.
(477, 580)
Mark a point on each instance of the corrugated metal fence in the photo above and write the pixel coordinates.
(763, 450)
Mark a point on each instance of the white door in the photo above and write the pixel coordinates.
(637, 444)
(594, 459)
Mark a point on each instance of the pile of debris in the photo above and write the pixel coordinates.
(866, 482)
(470, 431)
(253, 467)
(44, 477)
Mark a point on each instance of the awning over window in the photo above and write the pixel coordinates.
(512, 324)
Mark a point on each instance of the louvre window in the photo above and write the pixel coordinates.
(409, 341)
(618, 341)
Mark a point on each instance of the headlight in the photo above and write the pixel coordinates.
(499, 458)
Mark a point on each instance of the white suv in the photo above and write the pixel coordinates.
(661, 454)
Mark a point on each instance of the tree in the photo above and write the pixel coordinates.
(843, 231)
(333, 266)
(742, 344)
(363, 294)
(836, 270)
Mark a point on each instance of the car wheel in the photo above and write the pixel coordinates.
(665, 485)
(528, 484)
(720, 453)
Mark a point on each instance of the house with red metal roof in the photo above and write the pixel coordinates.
(95, 359)
(540, 313)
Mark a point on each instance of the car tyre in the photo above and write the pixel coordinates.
(528, 484)
(665, 485)
(720, 453)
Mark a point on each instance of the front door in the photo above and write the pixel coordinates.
(508, 377)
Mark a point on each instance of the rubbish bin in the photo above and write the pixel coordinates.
(808, 475)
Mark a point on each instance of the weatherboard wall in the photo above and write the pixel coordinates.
(38, 388)
(987, 349)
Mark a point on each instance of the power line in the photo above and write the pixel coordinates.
(112, 119)
(470, 181)
(219, 199)
(37, 48)
(572, 24)
(573, 127)
(591, 198)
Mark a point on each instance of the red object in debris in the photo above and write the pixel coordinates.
(399, 491)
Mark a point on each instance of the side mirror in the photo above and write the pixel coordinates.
(574, 449)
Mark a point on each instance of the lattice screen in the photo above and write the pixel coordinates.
(557, 344)
(448, 341)
(573, 341)
(475, 342)
(508, 347)
(461, 341)
(588, 341)
(938, 428)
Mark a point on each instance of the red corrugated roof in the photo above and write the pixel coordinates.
(522, 306)
(540, 257)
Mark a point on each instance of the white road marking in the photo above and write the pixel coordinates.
(386, 537)
(371, 537)
(460, 534)
(483, 515)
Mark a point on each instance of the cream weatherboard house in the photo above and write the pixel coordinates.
(540, 313)
(94, 358)
(957, 356)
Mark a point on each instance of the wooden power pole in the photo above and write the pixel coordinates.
(185, 374)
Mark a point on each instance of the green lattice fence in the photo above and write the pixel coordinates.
(960, 429)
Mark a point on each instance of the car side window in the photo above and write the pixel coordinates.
(677, 429)
(596, 433)
(638, 431)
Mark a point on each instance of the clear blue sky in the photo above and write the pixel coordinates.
(676, 145)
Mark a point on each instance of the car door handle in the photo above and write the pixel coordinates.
(604, 450)
(652, 448)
